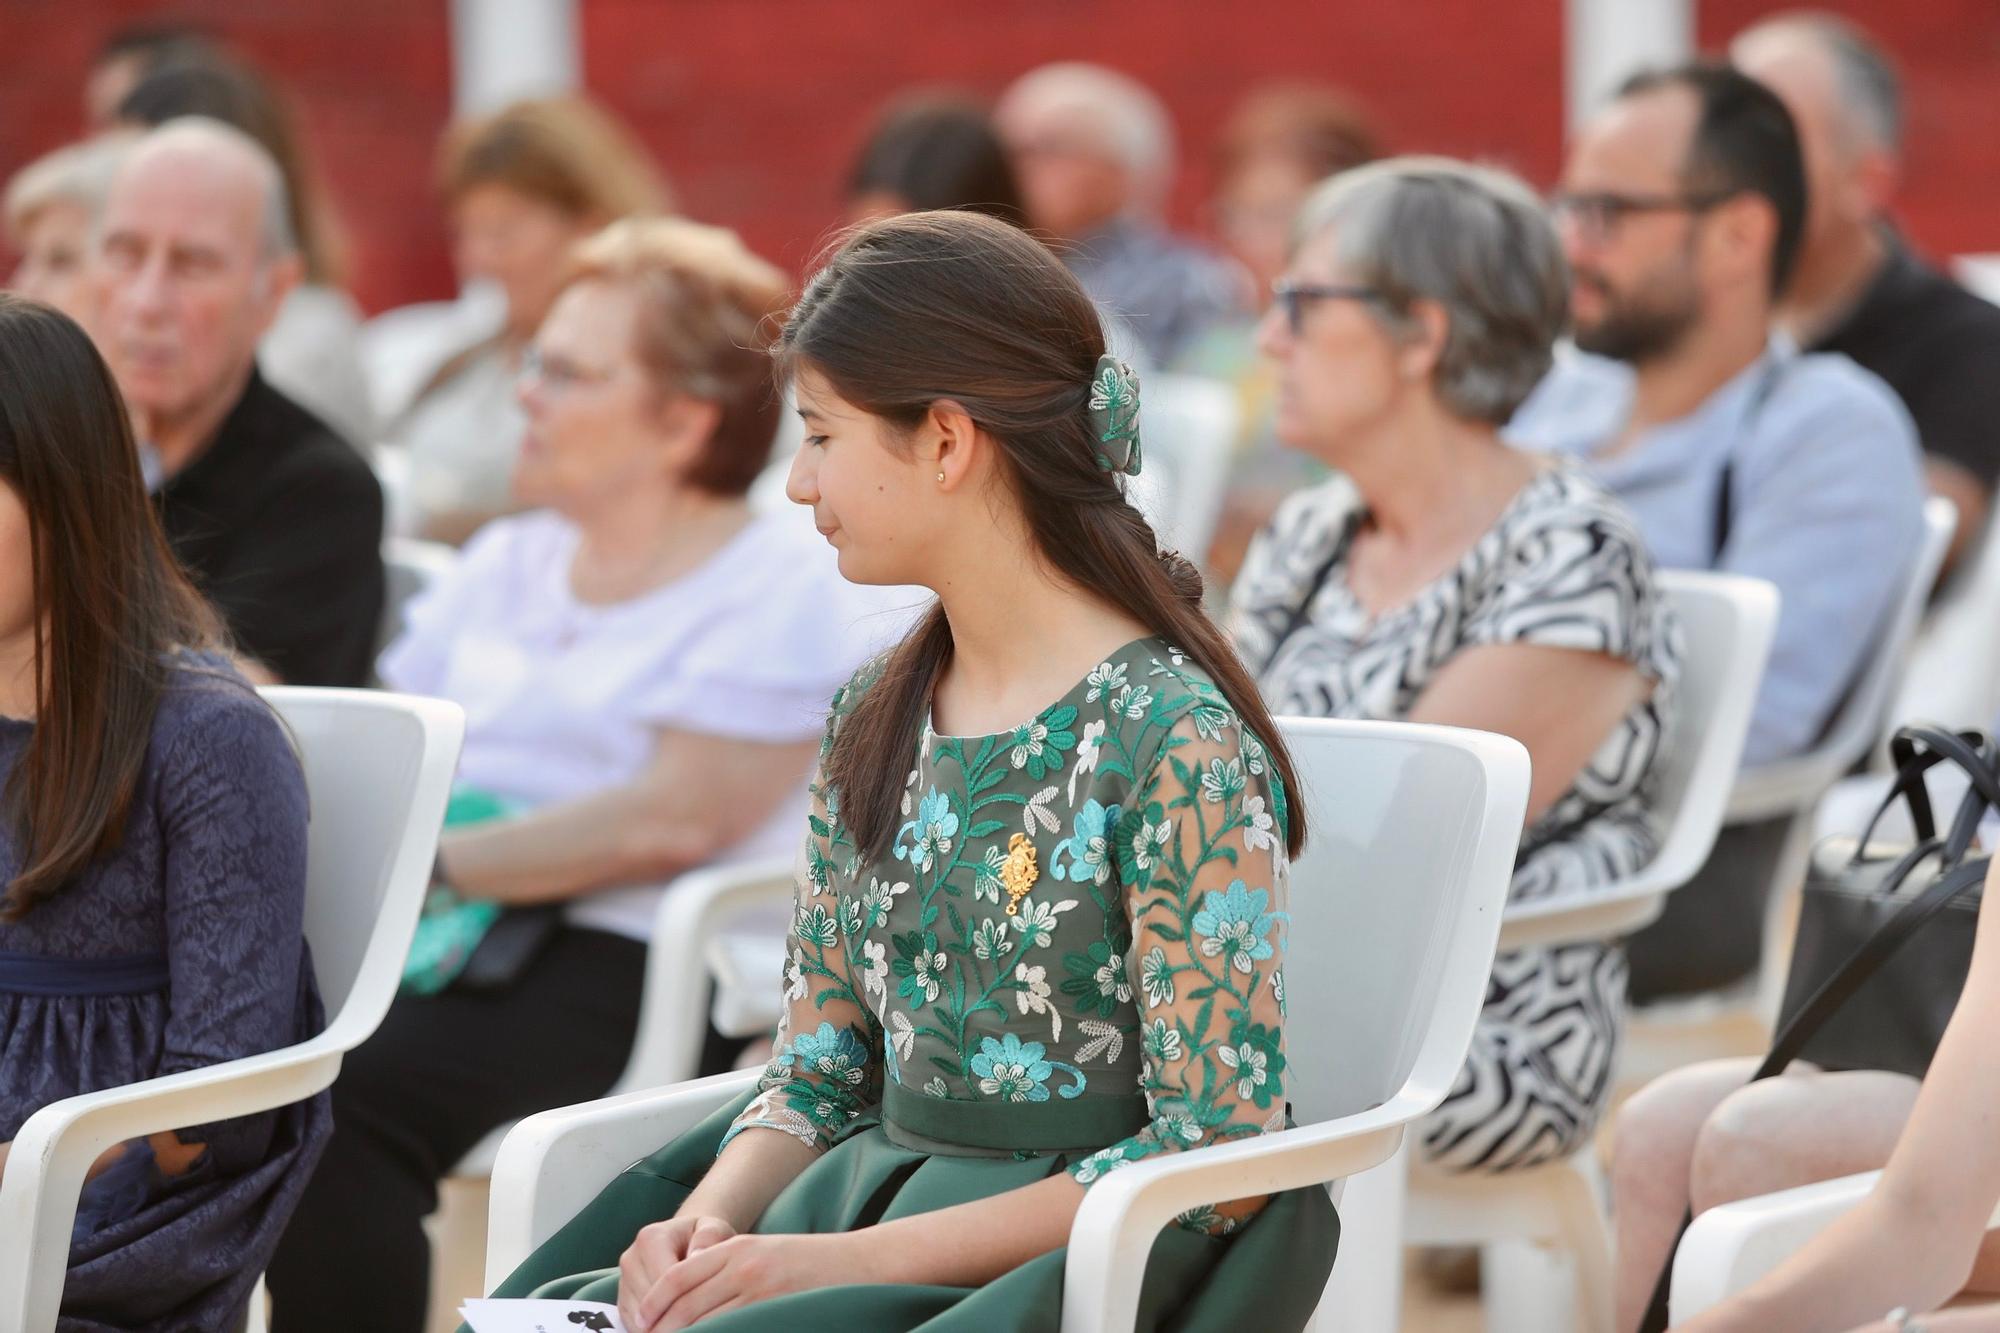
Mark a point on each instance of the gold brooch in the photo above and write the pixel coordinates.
(1018, 872)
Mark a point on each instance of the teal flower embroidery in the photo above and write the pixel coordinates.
(834, 1054)
(1013, 1070)
(1086, 853)
(1234, 922)
(1255, 1061)
(930, 833)
(1039, 746)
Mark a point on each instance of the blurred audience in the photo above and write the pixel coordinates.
(126, 57)
(1442, 577)
(153, 895)
(1859, 289)
(312, 352)
(277, 519)
(522, 186)
(933, 151)
(645, 667)
(51, 206)
(1281, 141)
(1095, 154)
(1682, 208)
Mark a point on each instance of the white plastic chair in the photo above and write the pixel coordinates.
(1187, 425)
(410, 566)
(1397, 903)
(1732, 1247)
(1954, 671)
(378, 772)
(1727, 622)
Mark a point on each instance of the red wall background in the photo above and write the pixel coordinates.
(754, 106)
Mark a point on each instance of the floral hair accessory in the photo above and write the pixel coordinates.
(1114, 416)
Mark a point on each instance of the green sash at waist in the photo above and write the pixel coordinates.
(1056, 1125)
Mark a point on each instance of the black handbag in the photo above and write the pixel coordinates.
(1855, 997)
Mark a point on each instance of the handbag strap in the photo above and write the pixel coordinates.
(1915, 750)
(1835, 991)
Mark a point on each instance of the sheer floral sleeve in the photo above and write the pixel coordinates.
(825, 1068)
(1202, 860)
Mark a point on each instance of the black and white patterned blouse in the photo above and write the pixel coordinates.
(1562, 567)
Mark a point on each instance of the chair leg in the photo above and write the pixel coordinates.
(1365, 1293)
(1575, 1198)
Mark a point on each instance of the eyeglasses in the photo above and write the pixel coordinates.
(558, 373)
(1598, 213)
(1293, 297)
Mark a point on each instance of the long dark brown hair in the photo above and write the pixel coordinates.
(111, 606)
(956, 305)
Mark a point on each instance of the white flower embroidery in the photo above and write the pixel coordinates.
(1111, 979)
(1037, 921)
(1105, 1040)
(1033, 996)
(1258, 826)
(1156, 974)
(1133, 701)
(1108, 677)
(903, 1037)
(936, 1087)
(1086, 753)
(1162, 1042)
(990, 941)
(1037, 812)
(795, 977)
(1149, 846)
(1248, 1062)
(929, 968)
(875, 977)
(1030, 744)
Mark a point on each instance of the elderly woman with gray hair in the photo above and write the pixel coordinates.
(1442, 576)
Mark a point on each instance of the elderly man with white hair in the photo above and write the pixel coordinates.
(1095, 154)
(50, 209)
(277, 518)
(1858, 288)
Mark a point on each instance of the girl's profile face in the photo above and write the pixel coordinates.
(873, 497)
(17, 578)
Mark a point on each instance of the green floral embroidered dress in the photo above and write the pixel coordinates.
(1071, 959)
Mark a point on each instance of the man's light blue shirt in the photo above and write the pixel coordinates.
(1826, 501)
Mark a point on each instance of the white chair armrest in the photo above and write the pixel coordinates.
(55, 1148)
(1574, 917)
(1123, 1213)
(1730, 1247)
(554, 1163)
(1784, 787)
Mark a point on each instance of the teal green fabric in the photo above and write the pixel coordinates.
(451, 927)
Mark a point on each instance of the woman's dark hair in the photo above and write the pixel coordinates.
(1744, 143)
(923, 307)
(939, 152)
(206, 81)
(112, 605)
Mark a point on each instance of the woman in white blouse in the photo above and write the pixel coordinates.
(645, 668)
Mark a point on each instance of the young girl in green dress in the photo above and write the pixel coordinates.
(1039, 928)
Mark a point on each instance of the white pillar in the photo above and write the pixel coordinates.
(1610, 39)
(503, 50)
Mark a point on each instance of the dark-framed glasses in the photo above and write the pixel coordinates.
(1598, 213)
(1294, 298)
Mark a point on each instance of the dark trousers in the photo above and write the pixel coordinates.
(1711, 934)
(441, 1073)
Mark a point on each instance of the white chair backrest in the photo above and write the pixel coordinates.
(1187, 426)
(1862, 716)
(378, 772)
(1395, 905)
(1954, 674)
(1726, 626)
(410, 566)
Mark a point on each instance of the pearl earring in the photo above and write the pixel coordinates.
(940, 478)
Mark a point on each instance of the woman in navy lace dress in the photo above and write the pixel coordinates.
(152, 858)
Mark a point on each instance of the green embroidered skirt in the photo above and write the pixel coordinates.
(1267, 1275)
